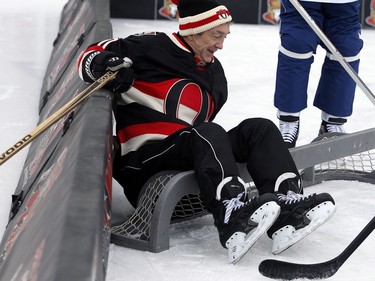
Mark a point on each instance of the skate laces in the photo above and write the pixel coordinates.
(335, 128)
(232, 205)
(290, 197)
(289, 130)
(331, 127)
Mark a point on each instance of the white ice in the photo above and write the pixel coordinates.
(27, 31)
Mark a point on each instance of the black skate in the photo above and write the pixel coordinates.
(299, 217)
(332, 125)
(241, 223)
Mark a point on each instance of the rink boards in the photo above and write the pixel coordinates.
(59, 227)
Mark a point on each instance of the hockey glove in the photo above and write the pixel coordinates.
(106, 61)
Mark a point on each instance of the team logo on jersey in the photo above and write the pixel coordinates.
(180, 98)
(187, 101)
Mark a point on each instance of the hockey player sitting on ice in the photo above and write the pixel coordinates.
(165, 104)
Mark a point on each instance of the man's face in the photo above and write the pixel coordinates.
(207, 43)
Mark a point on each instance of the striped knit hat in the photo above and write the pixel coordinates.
(197, 16)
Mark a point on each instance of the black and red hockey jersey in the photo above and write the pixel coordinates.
(171, 91)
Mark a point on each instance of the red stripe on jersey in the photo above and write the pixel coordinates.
(162, 128)
(89, 50)
(191, 97)
(212, 107)
(94, 48)
(157, 90)
(183, 43)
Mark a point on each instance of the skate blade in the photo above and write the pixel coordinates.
(240, 243)
(288, 235)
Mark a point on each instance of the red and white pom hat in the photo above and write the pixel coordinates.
(197, 16)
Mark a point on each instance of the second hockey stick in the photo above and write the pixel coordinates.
(333, 50)
(67, 108)
(288, 271)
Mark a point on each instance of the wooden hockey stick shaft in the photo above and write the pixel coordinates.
(64, 110)
(333, 50)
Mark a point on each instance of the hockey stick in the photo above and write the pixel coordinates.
(333, 50)
(67, 108)
(288, 271)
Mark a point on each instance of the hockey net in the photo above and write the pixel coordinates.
(358, 167)
(138, 225)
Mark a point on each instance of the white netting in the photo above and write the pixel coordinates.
(358, 166)
(138, 225)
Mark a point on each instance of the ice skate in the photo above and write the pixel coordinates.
(300, 215)
(289, 129)
(242, 222)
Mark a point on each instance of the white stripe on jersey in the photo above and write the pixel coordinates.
(134, 143)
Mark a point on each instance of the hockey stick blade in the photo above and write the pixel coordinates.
(288, 271)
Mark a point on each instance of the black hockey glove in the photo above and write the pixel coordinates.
(106, 61)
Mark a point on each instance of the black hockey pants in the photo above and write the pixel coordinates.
(213, 154)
